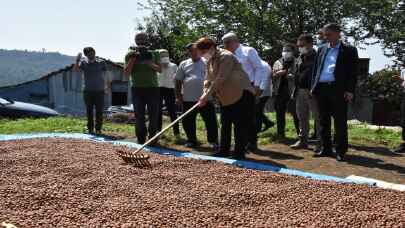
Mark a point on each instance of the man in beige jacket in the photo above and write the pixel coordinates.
(230, 85)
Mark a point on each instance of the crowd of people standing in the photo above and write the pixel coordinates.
(312, 77)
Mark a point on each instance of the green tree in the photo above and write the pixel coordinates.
(384, 20)
(266, 24)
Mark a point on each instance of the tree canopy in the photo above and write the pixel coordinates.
(267, 24)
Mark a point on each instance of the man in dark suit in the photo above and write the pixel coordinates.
(333, 84)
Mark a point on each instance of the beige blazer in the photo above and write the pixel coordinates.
(228, 78)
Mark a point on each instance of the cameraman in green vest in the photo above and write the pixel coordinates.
(142, 65)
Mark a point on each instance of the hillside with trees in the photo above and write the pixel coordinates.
(21, 66)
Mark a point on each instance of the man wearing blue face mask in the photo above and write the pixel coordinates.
(284, 71)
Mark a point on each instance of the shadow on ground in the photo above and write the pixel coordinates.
(272, 154)
(374, 163)
(383, 151)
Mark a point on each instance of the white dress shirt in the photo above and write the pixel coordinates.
(166, 77)
(403, 77)
(251, 63)
(266, 84)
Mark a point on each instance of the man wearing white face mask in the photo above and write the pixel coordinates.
(166, 89)
(305, 102)
(320, 39)
(284, 70)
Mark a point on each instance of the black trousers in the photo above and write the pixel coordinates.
(282, 103)
(261, 118)
(403, 118)
(167, 95)
(210, 120)
(252, 128)
(146, 99)
(94, 99)
(239, 115)
(332, 104)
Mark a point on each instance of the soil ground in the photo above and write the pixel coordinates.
(372, 161)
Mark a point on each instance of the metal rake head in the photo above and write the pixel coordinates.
(136, 159)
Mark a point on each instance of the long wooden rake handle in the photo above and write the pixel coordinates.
(173, 123)
(167, 127)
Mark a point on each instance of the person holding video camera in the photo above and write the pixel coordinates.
(142, 64)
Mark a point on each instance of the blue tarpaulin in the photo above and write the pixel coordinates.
(162, 151)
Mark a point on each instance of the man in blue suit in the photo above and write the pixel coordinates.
(333, 83)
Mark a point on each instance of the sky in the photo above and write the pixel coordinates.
(68, 26)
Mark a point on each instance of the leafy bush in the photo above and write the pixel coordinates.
(384, 85)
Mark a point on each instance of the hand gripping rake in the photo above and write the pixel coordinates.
(142, 160)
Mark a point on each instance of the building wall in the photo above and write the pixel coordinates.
(120, 83)
(63, 91)
(34, 92)
(66, 91)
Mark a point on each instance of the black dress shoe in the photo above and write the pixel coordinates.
(190, 144)
(400, 149)
(340, 157)
(238, 157)
(323, 153)
(251, 147)
(222, 155)
(317, 148)
(214, 146)
(280, 136)
(267, 126)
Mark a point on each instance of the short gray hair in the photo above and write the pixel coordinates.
(332, 27)
(230, 36)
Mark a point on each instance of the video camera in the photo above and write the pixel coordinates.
(141, 53)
